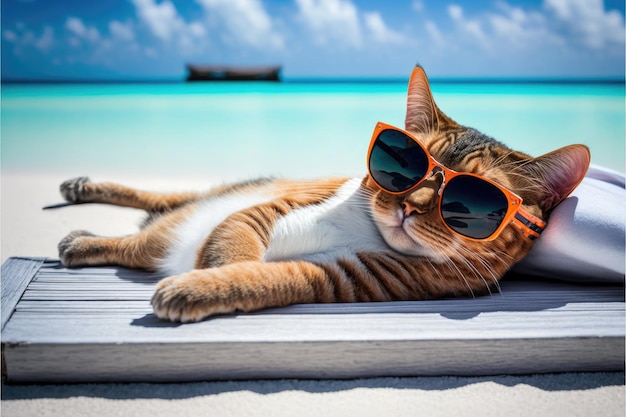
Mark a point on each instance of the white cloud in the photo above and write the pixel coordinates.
(196, 29)
(417, 5)
(340, 23)
(434, 33)
(45, 42)
(162, 19)
(246, 21)
(22, 37)
(511, 24)
(331, 21)
(587, 20)
(91, 47)
(379, 30)
(76, 26)
(468, 26)
(10, 36)
(521, 27)
(164, 22)
(455, 11)
(568, 23)
(122, 31)
(565, 9)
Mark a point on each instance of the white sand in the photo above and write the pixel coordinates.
(27, 230)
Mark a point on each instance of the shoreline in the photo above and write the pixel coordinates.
(401, 79)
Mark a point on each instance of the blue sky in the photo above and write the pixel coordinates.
(44, 39)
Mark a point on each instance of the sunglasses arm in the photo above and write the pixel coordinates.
(529, 225)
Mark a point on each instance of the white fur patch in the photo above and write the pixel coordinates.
(191, 234)
(336, 228)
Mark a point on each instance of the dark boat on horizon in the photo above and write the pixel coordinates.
(228, 73)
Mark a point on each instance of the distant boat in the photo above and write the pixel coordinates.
(227, 73)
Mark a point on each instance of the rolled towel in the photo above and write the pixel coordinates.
(584, 240)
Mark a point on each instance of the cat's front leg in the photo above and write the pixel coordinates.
(243, 286)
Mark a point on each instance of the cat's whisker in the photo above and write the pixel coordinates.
(435, 270)
(474, 270)
(487, 258)
(487, 266)
(456, 271)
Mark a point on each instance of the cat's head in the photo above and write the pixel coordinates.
(411, 223)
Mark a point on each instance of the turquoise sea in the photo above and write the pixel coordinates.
(300, 129)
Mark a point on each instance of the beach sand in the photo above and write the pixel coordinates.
(27, 230)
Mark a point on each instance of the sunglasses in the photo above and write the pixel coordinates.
(469, 204)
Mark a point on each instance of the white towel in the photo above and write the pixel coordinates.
(584, 240)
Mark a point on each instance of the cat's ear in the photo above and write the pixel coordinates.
(559, 172)
(422, 114)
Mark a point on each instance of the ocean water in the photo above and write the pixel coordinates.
(241, 130)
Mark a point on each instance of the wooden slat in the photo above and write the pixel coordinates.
(439, 307)
(16, 275)
(310, 360)
(87, 295)
(312, 327)
(100, 321)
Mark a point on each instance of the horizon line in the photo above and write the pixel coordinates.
(334, 80)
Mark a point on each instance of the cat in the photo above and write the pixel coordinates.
(276, 242)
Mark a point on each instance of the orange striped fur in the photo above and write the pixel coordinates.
(275, 242)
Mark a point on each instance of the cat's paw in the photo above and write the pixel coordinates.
(73, 248)
(74, 190)
(186, 298)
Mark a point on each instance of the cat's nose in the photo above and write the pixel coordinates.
(424, 198)
(420, 202)
(410, 209)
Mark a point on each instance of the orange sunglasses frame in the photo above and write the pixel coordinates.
(529, 225)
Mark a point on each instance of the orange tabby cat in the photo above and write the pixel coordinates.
(276, 242)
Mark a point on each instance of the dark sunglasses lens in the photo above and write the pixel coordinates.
(397, 162)
(473, 207)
